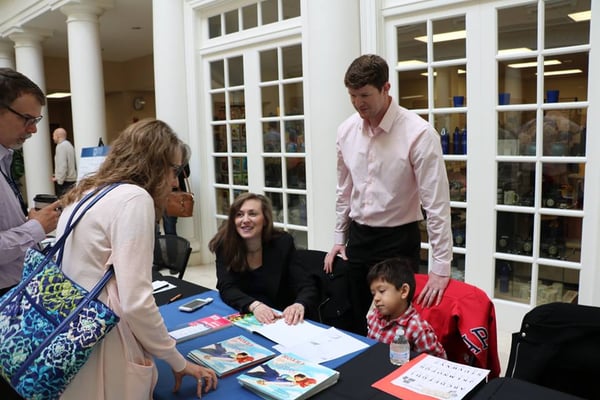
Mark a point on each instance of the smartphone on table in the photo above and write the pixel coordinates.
(195, 304)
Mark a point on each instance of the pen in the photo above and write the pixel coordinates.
(177, 296)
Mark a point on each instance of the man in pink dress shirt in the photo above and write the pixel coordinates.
(390, 165)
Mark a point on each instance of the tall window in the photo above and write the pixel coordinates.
(542, 58)
(431, 72)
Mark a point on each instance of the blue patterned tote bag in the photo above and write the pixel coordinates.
(48, 323)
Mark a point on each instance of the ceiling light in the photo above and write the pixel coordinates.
(415, 96)
(515, 50)
(530, 64)
(410, 63)
(563, 72)
(427, 73)
(58, 95)
(444, 37)
(581, 16)
(461, 71)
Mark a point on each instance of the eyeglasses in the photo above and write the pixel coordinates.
(29, 120)
(177, 169)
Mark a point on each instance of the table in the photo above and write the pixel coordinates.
(185, 288)
(228, 387)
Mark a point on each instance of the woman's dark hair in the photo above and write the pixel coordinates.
(228, 242)
(396, 271)
(369, 69)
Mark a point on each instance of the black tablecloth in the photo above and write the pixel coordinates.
(516, 389)
(185, 288)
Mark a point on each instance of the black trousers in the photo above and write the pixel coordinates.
(64, 188)
(366, 247)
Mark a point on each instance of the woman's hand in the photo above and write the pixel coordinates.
(294, 314)
(205, 377)
(264, 314)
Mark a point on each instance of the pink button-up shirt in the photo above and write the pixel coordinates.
(386, 173)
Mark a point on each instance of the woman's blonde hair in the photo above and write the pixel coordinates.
(141, 155)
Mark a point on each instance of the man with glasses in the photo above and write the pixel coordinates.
(21, 103)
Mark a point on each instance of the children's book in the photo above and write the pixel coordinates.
(288, 377)
(230, 355)
(427, 377)
(199, 327)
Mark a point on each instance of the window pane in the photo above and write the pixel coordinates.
(572, 80)
(273, 177)
(217, 74)
(457, 178)
(457, 267)
(450, 85)
(517, 28)
(270, 101)
(222, 201)
(293, 98)
(290, 8)
(214, 26)
(297, 209)
(236, 71)
(237, 104)
(517, 133)
(294, 136)
(412, 89)
(238, 138)
(292, 61)
(451, 128)
(240, 170)
(268, 65)
(250, 16)
(221, 170)
(269, 11)
(557, 284)
(277, 203)
(459, 221)
(296, 173)
(561, 29)
(562, 185)
(560, 238)
(411, 51)
(514, 233)
(271, 137)
(300, 238)
(218, 103)
(231, 22)
(220, 138)
(564, 132)
(513, 281)
(449, 38)
(516, 183)
(519, 79)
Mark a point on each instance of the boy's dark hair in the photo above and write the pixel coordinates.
(14, 84)
(396, 271)
(369, 69)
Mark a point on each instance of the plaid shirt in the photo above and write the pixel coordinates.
(419, 333)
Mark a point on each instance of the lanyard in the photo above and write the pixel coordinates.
(16, 191)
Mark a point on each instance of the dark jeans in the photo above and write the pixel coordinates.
(366, 247)
(64, 188)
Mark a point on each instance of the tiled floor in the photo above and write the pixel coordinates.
(205, 275)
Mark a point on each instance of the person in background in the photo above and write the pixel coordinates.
(389, 165)
(21, 103)
(392, 284)
(254, 273)
(170, 223)
(65, 171)
(119, 230)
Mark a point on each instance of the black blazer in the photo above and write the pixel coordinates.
(285, 283)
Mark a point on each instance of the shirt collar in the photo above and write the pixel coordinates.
(385, 125)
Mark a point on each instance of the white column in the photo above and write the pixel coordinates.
(330, 42)
(170, 88)
(7, 56)
(86, 75)
(37, 152)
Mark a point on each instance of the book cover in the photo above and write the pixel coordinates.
(230, 355)
(427, 377)
(288, 377)
(247, 321)
(198, 327)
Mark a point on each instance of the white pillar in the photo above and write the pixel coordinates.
(329, 28)
(7, 56)
(170, 89)
(36, 151)
(86, 75)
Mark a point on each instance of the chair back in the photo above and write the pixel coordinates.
(333, 305)
(465, 324)
(172, 252)
(558, 347)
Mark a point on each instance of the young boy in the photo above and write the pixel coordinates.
(392, 284)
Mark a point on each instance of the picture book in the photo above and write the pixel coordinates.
(230, 355)
(279, 331)
(288, 377)
(428, 377)
(199, 327)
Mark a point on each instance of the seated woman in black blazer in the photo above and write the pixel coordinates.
(254, 273)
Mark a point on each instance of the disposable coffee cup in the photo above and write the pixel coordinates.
(42, 200)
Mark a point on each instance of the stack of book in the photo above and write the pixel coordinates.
(199, 327)
(288, 377)
(230, 355)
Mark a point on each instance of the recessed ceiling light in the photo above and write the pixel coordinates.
(58, 95)
(563, 72)
(444, 37)
(581, 16)
(530, 64)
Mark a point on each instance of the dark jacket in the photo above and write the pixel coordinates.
(284, 283)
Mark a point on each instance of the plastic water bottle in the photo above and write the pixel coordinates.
(445, 139)
(399, 349)
(456, 142)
